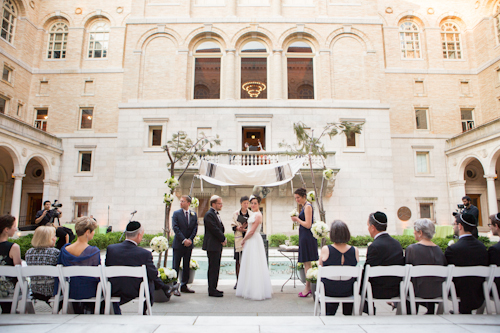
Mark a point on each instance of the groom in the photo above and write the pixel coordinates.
(213, 242)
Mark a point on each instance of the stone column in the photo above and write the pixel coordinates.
(230, 74)
(50, 190)
(16, 195)
(183, 74)
(324, 80)
(492, 194)
(277, 87)
(457, 192)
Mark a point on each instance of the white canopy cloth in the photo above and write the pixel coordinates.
(260, 175)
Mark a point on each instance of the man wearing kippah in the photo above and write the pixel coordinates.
(468, 251)
(127, 253)
(384, 251)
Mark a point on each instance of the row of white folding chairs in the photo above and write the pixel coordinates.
(406, 273)
(103, 292)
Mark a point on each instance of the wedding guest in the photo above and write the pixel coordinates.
(339, 254)
(81, 253)
(43, 253)
(10, 255)
(308, 245)
(239, 229)
(425, 252)
(494, 251)
(468, 251)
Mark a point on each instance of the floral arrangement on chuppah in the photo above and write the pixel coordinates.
(320, 230)
(159, 244)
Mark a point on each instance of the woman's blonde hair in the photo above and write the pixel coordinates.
(83, 224)
(43, 236)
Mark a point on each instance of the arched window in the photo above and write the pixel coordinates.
(58, 38)
(207, 66)
(409, 37)
(254, 70)
(300, 71)
(8, 20)
(99, 39)
(497, 21)
(450, 37)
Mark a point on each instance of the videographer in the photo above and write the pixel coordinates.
(469, 208)
(46, 215)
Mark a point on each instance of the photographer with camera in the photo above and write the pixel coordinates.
(46, 216)
(468, 208)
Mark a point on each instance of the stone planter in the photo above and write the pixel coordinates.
(192, 273)
(159, 295)
(313, 290)
(302, 275)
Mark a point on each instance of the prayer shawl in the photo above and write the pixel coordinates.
(260, 175)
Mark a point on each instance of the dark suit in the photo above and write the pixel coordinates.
(183, 229)
(468, 251)
(212, 243)
(494, 259)
(129, 254)
(385, 251)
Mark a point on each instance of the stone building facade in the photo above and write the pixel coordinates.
(91, 91)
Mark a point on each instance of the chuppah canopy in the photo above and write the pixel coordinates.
(260, 175)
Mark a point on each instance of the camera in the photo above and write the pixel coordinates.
(459, 210)
(59, 205)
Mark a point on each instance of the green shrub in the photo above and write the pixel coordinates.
(360, 241)
(294, 240)
(200, 242)
(277, 239)
(441, 242)
(146, 239)
(485, 240)
(24, 243)
(405, 241)
(230, 240)
(327, 241)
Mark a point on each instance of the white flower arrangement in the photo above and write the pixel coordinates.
(451, 242)
(159, 244)
(312, 275)
(168, 198)
(314, 264)
(196, 240)
(194, 202)
(294, 213)
(172, 182)
(328, 174)
(167, 275)
(311, 197)
(300, 265)
(320, 230)
(193, 264)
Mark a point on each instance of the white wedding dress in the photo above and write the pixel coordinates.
(254, 281)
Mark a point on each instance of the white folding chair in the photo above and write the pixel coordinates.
(493, 290)
(67, 272)
(468, 271)
(30, 271)
(12, 272)
(336, 273)
(429, 271)
(127, 271)
(380, 271)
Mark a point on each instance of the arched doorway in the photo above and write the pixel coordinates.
(32, 193)
(475, 188)
(6, 181)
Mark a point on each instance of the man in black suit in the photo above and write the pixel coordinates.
(468, 251)
(185, 226)
(494, 251)
(128, 253)
(213, 242)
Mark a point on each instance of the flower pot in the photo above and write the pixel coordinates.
(302, 275)
(159, 295)
(192, 273)
(313, 290)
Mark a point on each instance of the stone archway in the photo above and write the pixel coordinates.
(476, 188)
(32, 190)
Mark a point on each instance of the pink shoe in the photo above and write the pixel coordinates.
(302, 295)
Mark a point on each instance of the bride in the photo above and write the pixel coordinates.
(254, 281)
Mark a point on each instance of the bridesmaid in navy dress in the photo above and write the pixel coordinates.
(308, 245)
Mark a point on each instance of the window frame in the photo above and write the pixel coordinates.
(6, 105)
(11, 23)
(80, 159)
(426, 201)
(241, 55)
(427, 118)
(459, 49)
(77, 200)
(359, 137)
(41, 121)
(467, 121)
(10, 75)
(80, 118)
(419, 151)
(149, 123)
(313, 56)
(218, 55)
(64, 42)
(402, 42)
(93, 30)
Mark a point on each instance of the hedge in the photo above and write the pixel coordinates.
(277, 239)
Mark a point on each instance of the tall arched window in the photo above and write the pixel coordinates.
(58, 39)
(8, 20)
(300, 71)
(450, 38)
(254, 70)
(99, 39)
(409, 38)
(207, 66)
(497, 21)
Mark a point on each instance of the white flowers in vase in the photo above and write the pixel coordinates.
(159, 244)
(193, 264)
(167, 275)
(320, 230)
(312, 275)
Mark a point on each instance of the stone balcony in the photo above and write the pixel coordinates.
(27, 133)
(476, 135)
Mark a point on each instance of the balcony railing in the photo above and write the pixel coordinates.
(481, 132)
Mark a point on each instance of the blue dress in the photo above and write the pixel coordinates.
(308, 245)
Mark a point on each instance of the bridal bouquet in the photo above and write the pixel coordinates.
(294, 213)
(311, 197)
(168, 198)
(172, 182)
(328, 174)
(194, 202)
(312, 275)
(159, 244)
(320, 230)
(193, 264)
(167, 275)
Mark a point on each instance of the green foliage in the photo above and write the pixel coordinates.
(360, 241)
(405, 241)
(200, 242)
(181, 149)
(277, 239)
(327, 241)
(230, 240)
(24, 243)
(441, 242)
(146, 239)
(294, 240)
(102, 241)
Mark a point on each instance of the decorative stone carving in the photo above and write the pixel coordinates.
(53, 161)
(78, 11)
(25, 152)
(388, 10)
(282, 190)
(224, 191)
(430, 11)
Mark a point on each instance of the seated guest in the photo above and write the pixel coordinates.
(81, 253)
(384, 251)
(425, 252)
(468, 251)
(339, 254)
(10, 255)
(494, 251)
(128, 253)
(43, 253)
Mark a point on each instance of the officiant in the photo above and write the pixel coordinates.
(239, 225)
